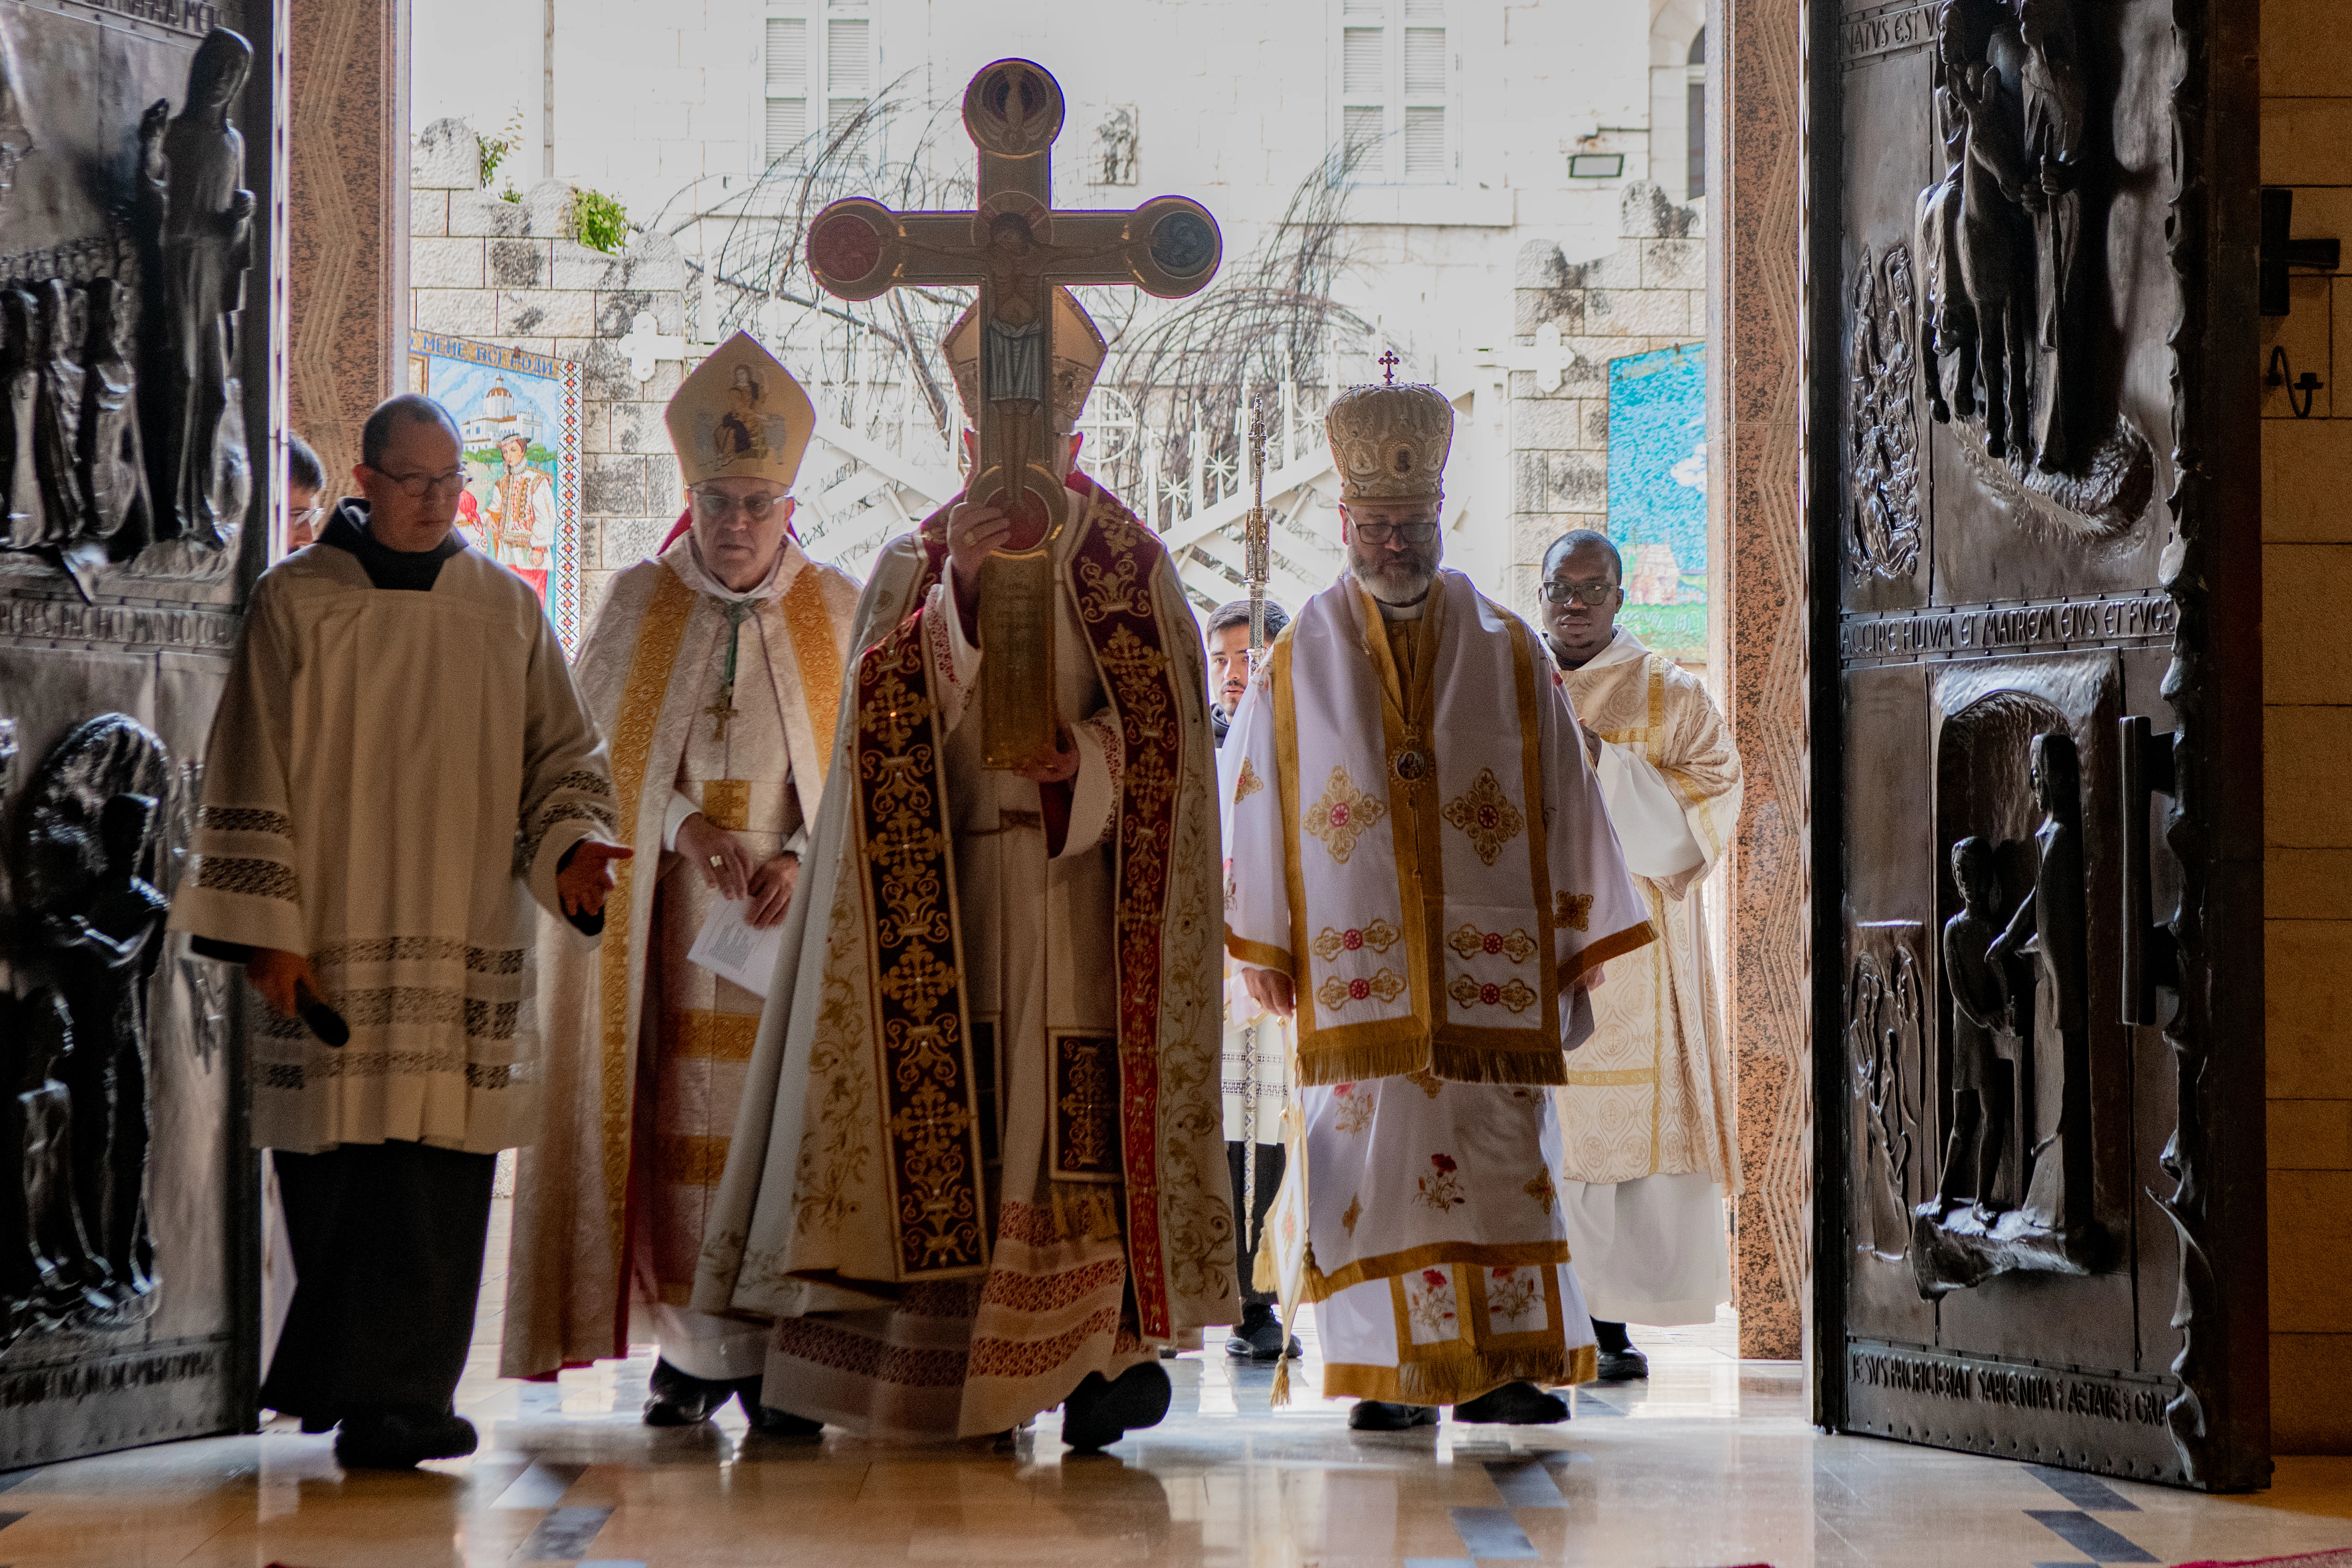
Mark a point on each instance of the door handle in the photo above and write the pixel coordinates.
(2151, 958)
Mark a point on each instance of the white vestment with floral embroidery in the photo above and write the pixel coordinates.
(1441, 1265)
(1419, 843)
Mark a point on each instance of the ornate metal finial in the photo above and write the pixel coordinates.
(1388, 363)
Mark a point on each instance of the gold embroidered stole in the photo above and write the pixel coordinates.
(1112, 572)
(632, 739)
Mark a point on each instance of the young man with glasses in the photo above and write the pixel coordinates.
(716, 668)
(399, 770)
(1411, 775)
(306, 485)
(1648, 1151)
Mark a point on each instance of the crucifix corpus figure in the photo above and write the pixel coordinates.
(1015, 246)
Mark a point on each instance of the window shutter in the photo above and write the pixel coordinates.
(787, 123)
(1363, 63)
(1425, 63)
(1424, 144)
(849, 65)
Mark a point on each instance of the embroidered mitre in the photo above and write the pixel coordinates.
(1390, 443)
(740, 415)
(1078, 351)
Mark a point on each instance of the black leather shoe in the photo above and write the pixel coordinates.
(1382, 1416)
(1098, 1413)
(1627, 1365)
(1514, 1405)
(1258, 1335)
(674, 1398)
(400, 1438)
(770, 1422)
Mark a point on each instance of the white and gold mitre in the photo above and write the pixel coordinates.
(1390, 443)
(740, 415)
(1078, 351)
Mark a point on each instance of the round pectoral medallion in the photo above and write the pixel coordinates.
(1412, 766)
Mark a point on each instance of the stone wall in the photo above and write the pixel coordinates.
(503, 272)
(2306, 84)
(1569, 319)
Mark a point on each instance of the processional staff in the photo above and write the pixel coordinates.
(1016, 246)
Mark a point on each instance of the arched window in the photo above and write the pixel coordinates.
(1695, 95)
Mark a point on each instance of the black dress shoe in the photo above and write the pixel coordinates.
(321, 1421)
(1098, 1413)
(1259, 1336)
(770, 1422)
(401, 1437)
(675, 1398)
(1514, 1405)
(1622, 1366)
(1383, 1415)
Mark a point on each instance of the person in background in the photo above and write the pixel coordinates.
(1646, 1119)
(306, 485)
(1250, 1030)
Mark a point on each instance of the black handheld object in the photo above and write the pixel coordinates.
(324, 1020)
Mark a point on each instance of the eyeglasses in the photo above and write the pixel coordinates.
(1594, 594)
(719, 506)
(306, 516)
(416, 487)
(1381, 533)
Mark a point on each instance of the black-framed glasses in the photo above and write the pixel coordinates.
(719, 506)
(1593, 595)
(416, 487)
(1381, 533)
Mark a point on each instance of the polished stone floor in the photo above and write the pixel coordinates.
(1710, 1463)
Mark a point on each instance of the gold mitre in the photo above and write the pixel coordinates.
(740, 415)
(1078, 351)
(1390, 443)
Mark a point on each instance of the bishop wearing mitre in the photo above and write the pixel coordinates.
(1648, 1115)
(978, 1171)
(715, 670)
(1424, 872)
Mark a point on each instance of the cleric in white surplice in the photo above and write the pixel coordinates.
(400, 768)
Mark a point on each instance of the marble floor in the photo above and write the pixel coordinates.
(1710, 1463)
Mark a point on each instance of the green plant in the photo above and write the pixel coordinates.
(495, 150)
(597, 221)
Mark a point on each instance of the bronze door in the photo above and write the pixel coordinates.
(2036, 695)
(135, 195)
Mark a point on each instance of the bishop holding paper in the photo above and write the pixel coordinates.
(716, 670)
(1422, 870)
(979, 1170)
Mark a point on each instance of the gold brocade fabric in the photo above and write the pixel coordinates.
(695, 1039)
(1651, 1091)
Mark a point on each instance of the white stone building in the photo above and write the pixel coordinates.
(1501, 141)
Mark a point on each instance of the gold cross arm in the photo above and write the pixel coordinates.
(859, 249)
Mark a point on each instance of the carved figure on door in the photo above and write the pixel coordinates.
(2053, 925)
(20, 380)
(1996, 244)
(113, 462)
(1984, 1085)
(91, 857)
(58, 1274)
(63, 329)
(195, 169)
(2056, 111)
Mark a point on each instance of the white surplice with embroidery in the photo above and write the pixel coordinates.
(1647, 1116)
(1433, 1244)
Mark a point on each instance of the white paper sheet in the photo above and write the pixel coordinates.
(731, 949)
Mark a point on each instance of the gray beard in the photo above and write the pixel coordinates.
(1388, 590)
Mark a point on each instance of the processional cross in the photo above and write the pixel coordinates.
(1016, 247)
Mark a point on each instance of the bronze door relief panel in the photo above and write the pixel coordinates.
(2037, 872)
(136, 199)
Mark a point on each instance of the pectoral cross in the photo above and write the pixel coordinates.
(1016, 247)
